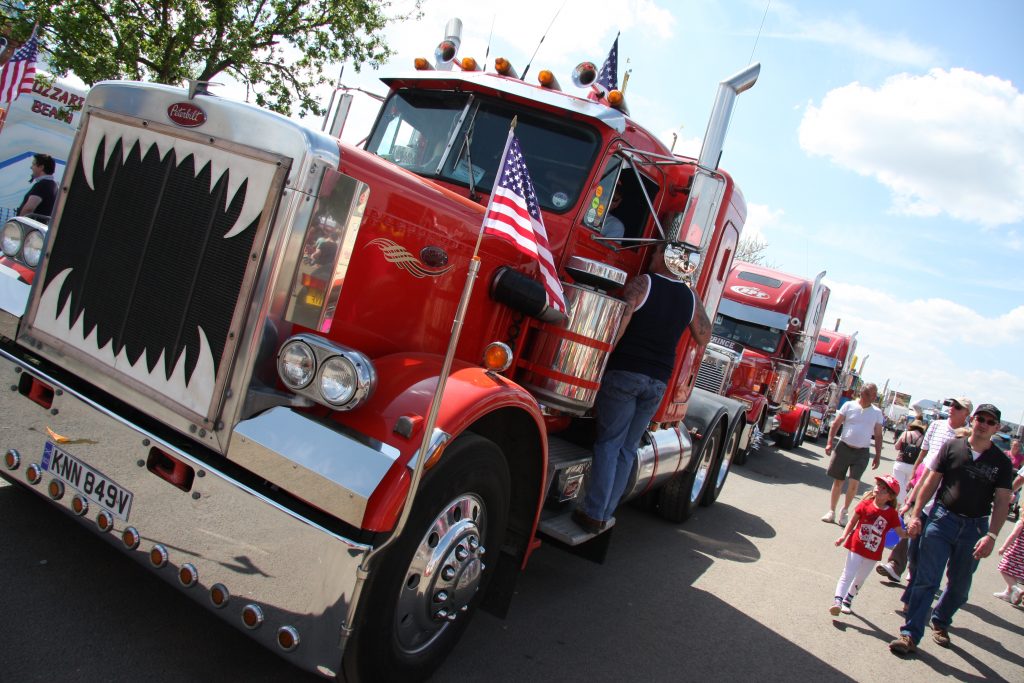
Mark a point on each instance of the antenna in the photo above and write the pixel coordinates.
(527, 69)
(487, 53)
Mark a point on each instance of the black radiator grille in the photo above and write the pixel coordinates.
(149, 262)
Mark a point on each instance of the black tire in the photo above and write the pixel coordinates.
(802, 432)
(723, 463)
(681, 496)
(402, 632)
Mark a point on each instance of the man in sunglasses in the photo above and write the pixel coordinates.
(972, 478)
(904, 553)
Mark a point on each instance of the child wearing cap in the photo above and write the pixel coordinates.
(864, 536)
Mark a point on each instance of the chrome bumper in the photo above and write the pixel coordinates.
(298, 574)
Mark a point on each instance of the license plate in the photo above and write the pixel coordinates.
(96, 486)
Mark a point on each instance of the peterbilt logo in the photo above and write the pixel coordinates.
(187, 115)
(749, 291)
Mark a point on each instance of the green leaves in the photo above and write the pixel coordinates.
(279, 48)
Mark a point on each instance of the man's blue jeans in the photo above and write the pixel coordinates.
(624, 407)
(948, 539)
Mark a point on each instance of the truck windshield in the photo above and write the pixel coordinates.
(425, 131)
(819, 373)
(751, 335)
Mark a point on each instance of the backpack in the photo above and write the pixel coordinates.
(910, 451)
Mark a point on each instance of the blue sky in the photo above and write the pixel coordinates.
(883, 144)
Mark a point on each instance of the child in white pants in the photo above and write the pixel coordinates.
(864, 535)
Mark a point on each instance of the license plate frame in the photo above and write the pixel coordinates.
(88, 481)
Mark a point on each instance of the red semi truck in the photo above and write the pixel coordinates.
(761, 348)
(237, 362)
(830, 376)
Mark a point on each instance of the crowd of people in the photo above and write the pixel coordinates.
(950, 492)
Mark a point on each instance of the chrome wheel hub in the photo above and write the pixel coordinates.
(444, 573)
(703, 467)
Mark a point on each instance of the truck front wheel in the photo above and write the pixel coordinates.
(418, 600)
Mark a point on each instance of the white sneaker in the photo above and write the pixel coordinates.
(886, 570)
(844, 517)
(847, 608)
(1006, 595)
(837, 605)
(829, 516)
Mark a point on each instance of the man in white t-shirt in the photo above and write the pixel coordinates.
(861, 421)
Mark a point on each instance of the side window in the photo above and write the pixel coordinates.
(619, 205)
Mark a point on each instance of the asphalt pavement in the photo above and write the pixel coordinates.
(738, 592)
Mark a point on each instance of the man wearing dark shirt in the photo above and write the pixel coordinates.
(41, 196)
(660, 308)
(975, 481)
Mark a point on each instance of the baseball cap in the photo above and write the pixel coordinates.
(964, 402)
(891, 482)
(990, 409)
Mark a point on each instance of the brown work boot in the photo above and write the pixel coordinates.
(940, 635)
(904, 645)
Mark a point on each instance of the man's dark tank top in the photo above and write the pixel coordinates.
(649, 345)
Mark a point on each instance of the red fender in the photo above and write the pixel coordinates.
(406, 386)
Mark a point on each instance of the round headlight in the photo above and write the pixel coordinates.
(33, 249)
(338, 380)
(12, 238)
(296, 364)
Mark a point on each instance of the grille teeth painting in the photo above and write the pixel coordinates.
(149, 258)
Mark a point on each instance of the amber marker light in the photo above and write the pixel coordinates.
(288, 638)
(12, 459)
(219, 595)
(469, 64)
(158, 556)
(615, 98)
(79, 504)
(546, 78)
(130, 537)
(56, 489)
(33, 473)
(188, 575)
(105, 521)
(497, 357)
(505, 68)
(421, 64)
(252, 616)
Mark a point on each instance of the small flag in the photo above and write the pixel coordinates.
(19, 73)
(608, 76)
(514, 215)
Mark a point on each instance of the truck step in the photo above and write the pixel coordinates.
(562, 453)
(561, 528)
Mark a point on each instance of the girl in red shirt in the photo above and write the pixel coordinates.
(864, 535)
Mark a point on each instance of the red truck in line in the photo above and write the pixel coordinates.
(237, 361)
(761, 348)
(831, 377)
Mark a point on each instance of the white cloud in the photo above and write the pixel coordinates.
(934, 348)
(761, 221)
(849, 33)
(947, 142)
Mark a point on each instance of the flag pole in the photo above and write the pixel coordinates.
(442, 379)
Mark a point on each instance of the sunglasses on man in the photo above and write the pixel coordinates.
(986, 421)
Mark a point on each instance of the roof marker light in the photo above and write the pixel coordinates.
(505, 68)
(547, 79)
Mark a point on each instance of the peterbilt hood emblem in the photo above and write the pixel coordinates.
(227, 193)
(186, 114)
(749, 291)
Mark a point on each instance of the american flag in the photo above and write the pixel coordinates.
(514, 215)
(19, 72)
(608, 76)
